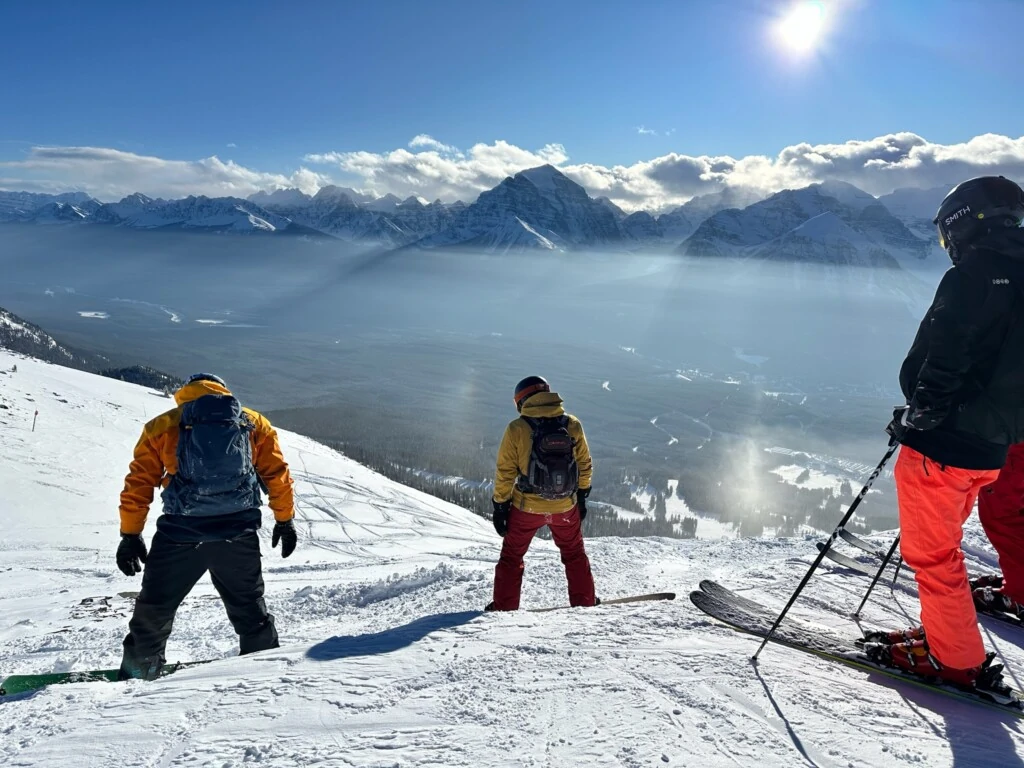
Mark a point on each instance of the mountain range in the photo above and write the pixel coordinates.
(540, 209)
(833, 223)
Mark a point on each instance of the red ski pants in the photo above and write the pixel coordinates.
(1001, 509)
(935, 502)
(565, 530)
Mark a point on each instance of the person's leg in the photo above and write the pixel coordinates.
(508, 573)
(568, 536)
(171, 571)
(934, 501)
(1001, 509)
(237, 574)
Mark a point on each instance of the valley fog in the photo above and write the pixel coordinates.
(707, 373)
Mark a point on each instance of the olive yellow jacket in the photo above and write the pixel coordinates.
(156, 459)
(514, 457)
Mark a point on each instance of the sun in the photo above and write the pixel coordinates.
(800, 30)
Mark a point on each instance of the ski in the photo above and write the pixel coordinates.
(862, 544)
(615, 601)
(15, 684)
(747, 616)
(855, 565)
(907, 581)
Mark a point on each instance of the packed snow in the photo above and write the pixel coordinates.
(386, 657)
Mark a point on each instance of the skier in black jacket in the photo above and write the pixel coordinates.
(964, 384)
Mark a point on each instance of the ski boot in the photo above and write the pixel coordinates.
(989, 580)
(913, 656)
(992, 599)
(894, 637)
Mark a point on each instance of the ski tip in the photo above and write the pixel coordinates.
(707, 584)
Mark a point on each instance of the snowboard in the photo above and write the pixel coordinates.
(753, 618)
(615, 601)
(15, 684)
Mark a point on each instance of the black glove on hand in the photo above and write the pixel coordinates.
(285, 533)
(899, 426)
(581, 502)
(907, 417)
(131, 553)
(501, 510)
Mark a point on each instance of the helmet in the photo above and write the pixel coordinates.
(529, 386)
(206, 377)
(976, 207)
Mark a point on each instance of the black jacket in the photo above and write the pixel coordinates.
(965, 369)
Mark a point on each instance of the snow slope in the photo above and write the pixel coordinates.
(386, 659)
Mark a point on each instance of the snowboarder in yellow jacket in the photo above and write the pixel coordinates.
(212, 457)
(543, 478)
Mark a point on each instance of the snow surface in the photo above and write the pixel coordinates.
(386, 659)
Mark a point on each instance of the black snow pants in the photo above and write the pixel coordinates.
(172, 569)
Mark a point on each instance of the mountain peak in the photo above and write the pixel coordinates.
(545, 177)
(136, 199)
(282, 197)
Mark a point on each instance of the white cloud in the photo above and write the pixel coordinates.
(437, 170)
(232, 145)
(646, 131)
(431, 169)
(876, 165)
(423, 141)
(110, 174)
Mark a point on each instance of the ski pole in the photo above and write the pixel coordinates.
(899, 565)
(881, 570)
(893, 445)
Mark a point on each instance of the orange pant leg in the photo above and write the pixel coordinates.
(934, 503)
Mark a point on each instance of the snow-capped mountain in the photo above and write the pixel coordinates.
(290, 198)
(676, 225)
(870, 235)
(538, 208)
(387, 657)
(23, 337)
(617, 212)
(916, 208)
(353, 216)
(197, 213)
(705, 206)
(826, 239)
(29, 206)
(643, 227)
(58, 213)
(137, 211)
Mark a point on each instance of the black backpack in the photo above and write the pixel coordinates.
(215, 474)
(552, 472)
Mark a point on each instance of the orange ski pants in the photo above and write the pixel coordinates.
(935, 502)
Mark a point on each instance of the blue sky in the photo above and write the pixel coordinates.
(267, 84)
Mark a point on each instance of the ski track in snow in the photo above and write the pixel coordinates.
(386, 657)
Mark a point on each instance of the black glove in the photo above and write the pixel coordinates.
(899, 426)
(285, 533)
(581, 502)
(131, 553)
(906, 418)
(501, 510)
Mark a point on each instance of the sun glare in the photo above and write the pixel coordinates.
(801, 28)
